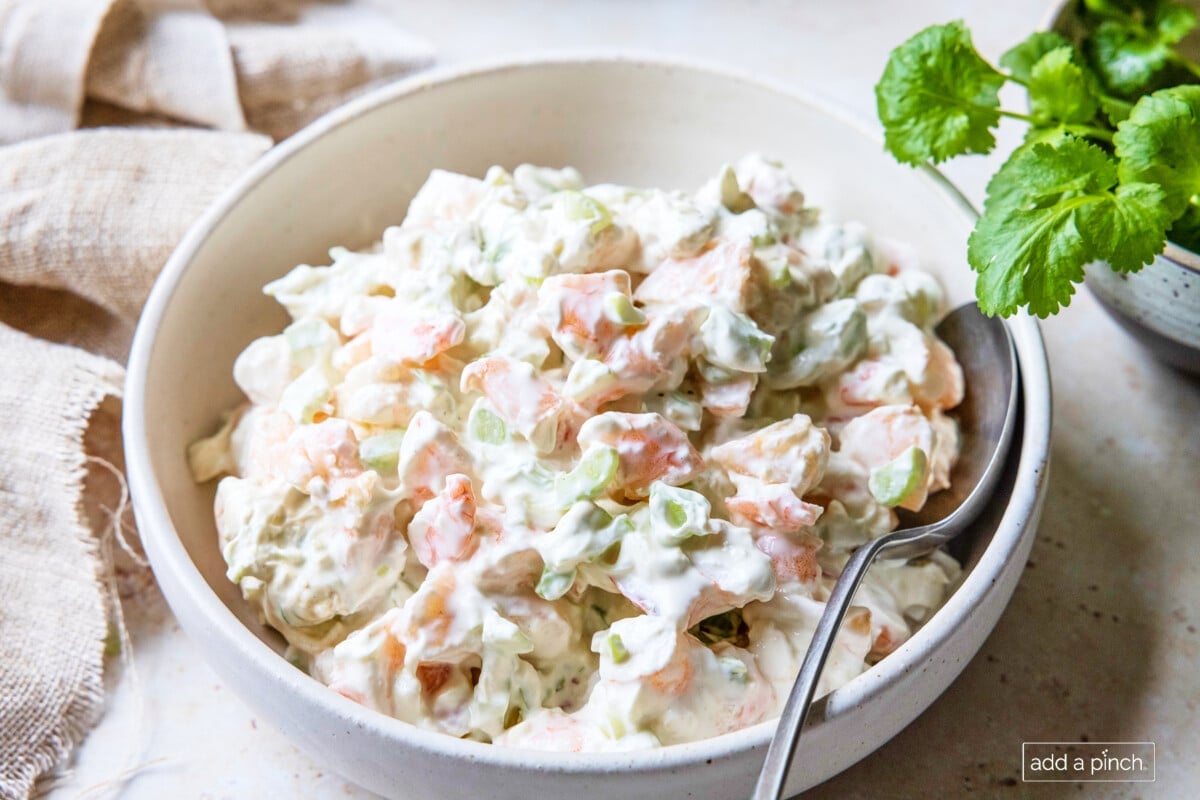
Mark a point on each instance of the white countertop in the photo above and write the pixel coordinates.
(1101, 638)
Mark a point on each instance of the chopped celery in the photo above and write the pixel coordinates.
(620, 309)
(589, 478)
(677, 514)
(616, 649)
(577, 206)
(733, 341)
(486, 426)
(898, 478)
(381, 452)
(554, 585)
(306, 395)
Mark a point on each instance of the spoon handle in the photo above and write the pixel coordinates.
(787, 734)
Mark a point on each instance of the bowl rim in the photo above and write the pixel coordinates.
(167, 553)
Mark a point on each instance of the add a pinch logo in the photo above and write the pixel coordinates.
(1079, 762)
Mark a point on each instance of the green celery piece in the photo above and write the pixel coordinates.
(898, 478)
(617, 649)
(553, 585)
(590, 477)
(578, 206)
(381, 452)
(485, 426)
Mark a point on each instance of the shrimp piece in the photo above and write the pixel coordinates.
(400, 336)
(322, 460)
(522, 399)
(770, 506)
(574, 308)
(444, 528)
(259, 442)
(792, 452)
(728, 399)
(653, 354)
(720, 272)
(942, 383)
(793, 556)
(650, 448)
(429, 454)
(883, 434)
(428, 617)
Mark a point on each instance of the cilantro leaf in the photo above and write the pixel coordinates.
(1160, 143)
(1060, 90)
(937, 98)
(1130, 48)
(1019, 60)
(1051, 209)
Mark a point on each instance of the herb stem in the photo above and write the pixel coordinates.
(1090, 130)
(1186, 63)
(1015, 115)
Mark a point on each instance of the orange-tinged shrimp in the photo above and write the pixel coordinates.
(649, 447)
(883, 434)
(793, 556)
(772, 506)
(444, 528)
(522, 399)
(721, 272)
(322, 459)
(429, 453)
(402, 337)
(728, 399)
(573, 307)
(943, 384)
(428, 614)
(792, 452)
(645, 356)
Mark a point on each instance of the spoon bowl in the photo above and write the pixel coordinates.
(986, 419)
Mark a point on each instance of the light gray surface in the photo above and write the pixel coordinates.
(1100, 640)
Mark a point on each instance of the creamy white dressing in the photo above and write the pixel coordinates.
(575, 468)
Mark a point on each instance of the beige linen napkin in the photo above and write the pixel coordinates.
(87, 218)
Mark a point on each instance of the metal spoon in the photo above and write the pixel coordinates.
(986, 420)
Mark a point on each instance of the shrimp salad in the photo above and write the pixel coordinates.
(571, 467)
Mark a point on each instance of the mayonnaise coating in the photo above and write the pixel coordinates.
(573, 467)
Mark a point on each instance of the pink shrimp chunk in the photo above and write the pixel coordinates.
(772, 506)
(444, 528)
(402, 337)
(573, 308)
(883, 434)
(429, 454)
(793, 557)
(322, 459)
(649, 447)
(721, 271)
(524, 401)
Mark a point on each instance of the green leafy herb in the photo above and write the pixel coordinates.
(1099, 178)
(938, 98)
(1019, 60)
(1133, 43)
(1160, 143)
(1049, 211)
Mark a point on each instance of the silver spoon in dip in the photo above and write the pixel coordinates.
(986, 419)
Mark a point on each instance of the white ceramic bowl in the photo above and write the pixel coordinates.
(342, 181)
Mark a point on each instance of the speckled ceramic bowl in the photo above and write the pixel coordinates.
(1160, 305)
(350, 175)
